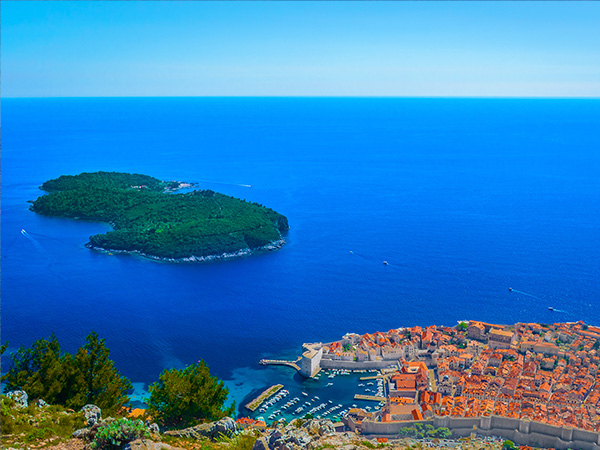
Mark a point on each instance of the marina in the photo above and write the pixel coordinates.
(331, 395)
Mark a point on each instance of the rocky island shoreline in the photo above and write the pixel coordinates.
(271, 246)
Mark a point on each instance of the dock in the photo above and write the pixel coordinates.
(373, 398)
(375, 377)
(254, 404)
(281, 362)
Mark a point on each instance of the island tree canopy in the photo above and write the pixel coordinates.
(148, 218)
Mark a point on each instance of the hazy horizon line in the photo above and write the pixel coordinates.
(540, 97)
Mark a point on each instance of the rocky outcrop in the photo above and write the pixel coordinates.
(92, 414)
(41, 403)
(20, 398)
(153, 428)
(82, 433)
(261, 443)
(295, 436)
(321, 427)
(147, 444)
(226, 426)
(88, 433)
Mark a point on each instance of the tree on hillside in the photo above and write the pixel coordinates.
(45, 371)
(40, 371)
(96, 378)
(186, 397)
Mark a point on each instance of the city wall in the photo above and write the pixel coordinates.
(521, 432)
(355, 365)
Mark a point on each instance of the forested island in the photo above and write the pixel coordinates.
(149, 219)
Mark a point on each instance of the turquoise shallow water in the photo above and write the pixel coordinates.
(463, 197)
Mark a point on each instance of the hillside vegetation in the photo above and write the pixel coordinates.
(148, 219)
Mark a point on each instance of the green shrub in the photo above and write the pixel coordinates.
(238, 442)
(408, 432)
(443, 432)
(185, 397)
(38, 434)
(112, 435)
(7, 422)
(299, 422)
(507, 445)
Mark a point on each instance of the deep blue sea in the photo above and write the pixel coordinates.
(463, 197)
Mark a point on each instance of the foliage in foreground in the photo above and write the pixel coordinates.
(183, 398)
(33, 424)
(242, 441)
(45, 372)
(112, 435)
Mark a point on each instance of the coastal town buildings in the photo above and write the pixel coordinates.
(546, 373)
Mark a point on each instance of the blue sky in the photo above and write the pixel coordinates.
(56, 49)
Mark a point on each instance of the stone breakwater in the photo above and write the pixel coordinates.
(271, 246)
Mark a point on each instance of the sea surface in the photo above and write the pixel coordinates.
(463, 198)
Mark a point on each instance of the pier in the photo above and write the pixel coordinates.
(254, 404)
(280, 362)
(373, 398)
